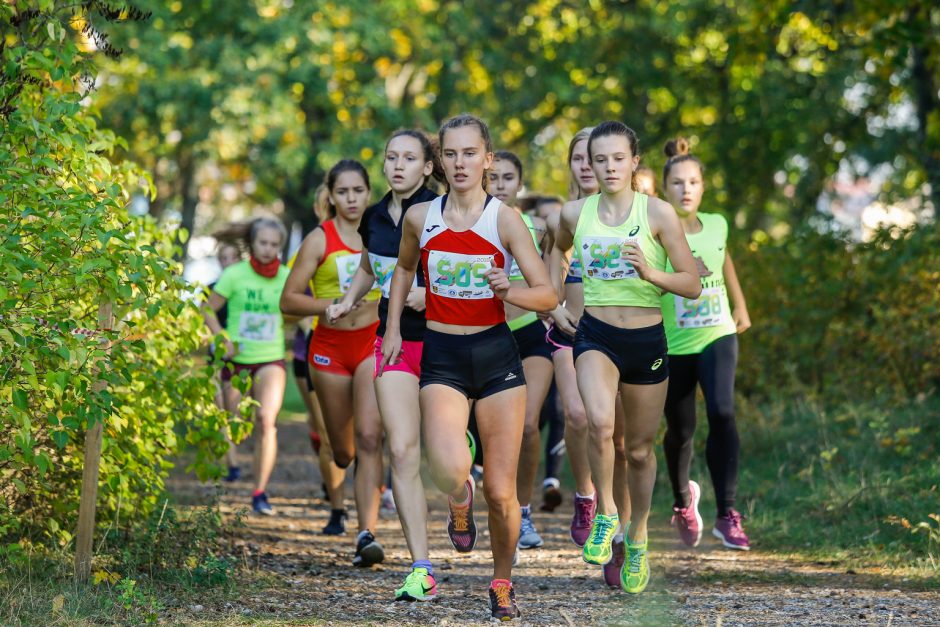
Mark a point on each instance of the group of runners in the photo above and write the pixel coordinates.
(431, 308)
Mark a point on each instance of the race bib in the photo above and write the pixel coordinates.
(453, 275)
(574, 268)
(704, 311)
(515, 272)
(258, 327)
(383, 268)
(346, 266)
(600, 259)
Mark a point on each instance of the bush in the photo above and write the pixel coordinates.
(843, 320)
(67, 245)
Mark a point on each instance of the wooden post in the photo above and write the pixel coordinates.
(85, 534)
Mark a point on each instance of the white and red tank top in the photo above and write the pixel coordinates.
(453, 263)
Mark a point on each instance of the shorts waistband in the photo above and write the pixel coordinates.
(654, 330)
(460, 341)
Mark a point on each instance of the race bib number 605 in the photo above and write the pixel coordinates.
(453, 275)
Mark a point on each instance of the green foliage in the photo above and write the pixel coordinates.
(842, 482)
(68, 245)
(847, 321)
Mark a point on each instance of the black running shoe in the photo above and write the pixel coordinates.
(368, 551)
(337, 524)
(551, 495)
(503, 601)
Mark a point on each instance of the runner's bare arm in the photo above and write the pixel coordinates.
(362, 282)
(664, 224)
(538, 294)
(742, 320)
(294, 299)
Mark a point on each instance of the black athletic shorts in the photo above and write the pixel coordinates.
(531, 341)
(478, 365)
(641, 355)
(302, 368)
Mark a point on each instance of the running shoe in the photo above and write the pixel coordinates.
(687, 520)
(613, 567)
(728, 529)
(260, 504)
(477, 473)
(387, 507)
(584, 509)
(635, 573)
(368, 551)
(418, 586)
(597, 548)
(461, 529)
(234, 474)
(551, 494)
(337, 524)
(529, 538)
(503, 601)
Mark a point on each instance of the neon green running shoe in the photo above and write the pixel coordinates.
(597, 548)
(419, 586)
(635, 573)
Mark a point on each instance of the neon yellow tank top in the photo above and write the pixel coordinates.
(608, 280)
(515, 273)
(335, 273)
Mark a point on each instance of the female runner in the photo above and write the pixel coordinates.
(703, 351)
(465, 242)
(251, 290)
(622, 239)
(340, 353)
(409, 161)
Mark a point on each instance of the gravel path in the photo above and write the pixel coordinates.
(304, 578)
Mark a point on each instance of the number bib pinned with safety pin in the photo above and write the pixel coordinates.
(704, 311)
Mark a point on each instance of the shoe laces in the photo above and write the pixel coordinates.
(636, 560)
(735, 518)
(502, 592)
(684, 514)
(582, 511)
(460, 515)
(601, 527)
(527, 525)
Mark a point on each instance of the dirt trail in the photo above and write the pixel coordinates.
(312, 581)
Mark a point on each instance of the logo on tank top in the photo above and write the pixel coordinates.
(635, 230)
(431, 228)
(601, 258)
(454, 275)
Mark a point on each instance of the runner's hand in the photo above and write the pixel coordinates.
(415, 298)
(229, 350)
(631, 252)
(564, 320)
(742, 321)
(336, 311)
(391, 349)
(498, 280)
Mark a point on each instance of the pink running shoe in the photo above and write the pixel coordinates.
(687, 519)
(584, 509)
(612, 568)
(728, 529)
(461, 529)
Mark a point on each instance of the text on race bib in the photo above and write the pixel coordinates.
(704, 311)
(574, 267)
(383, 268)
(453, 275)
(346, 266)
(258, 327)
(601, 259)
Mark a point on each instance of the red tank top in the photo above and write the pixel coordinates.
(453, 263)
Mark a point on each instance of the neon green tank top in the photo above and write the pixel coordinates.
(515, 274)
(609, 281)
(255, 323)
(693, 324)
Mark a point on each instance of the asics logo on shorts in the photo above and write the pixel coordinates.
(321, 360)
(656, 364)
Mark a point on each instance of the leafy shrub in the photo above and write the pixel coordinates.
(841, 319)
(68, 244)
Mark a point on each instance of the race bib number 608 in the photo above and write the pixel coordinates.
(704, 311)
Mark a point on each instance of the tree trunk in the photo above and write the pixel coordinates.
(189, 197)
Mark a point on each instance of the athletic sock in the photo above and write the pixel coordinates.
(585, 496)
(425, 564)
(526, 510)
(495, 582)
(257, 493)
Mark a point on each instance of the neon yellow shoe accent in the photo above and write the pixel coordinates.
(635, 573)
(418, 586)
(597, 548)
